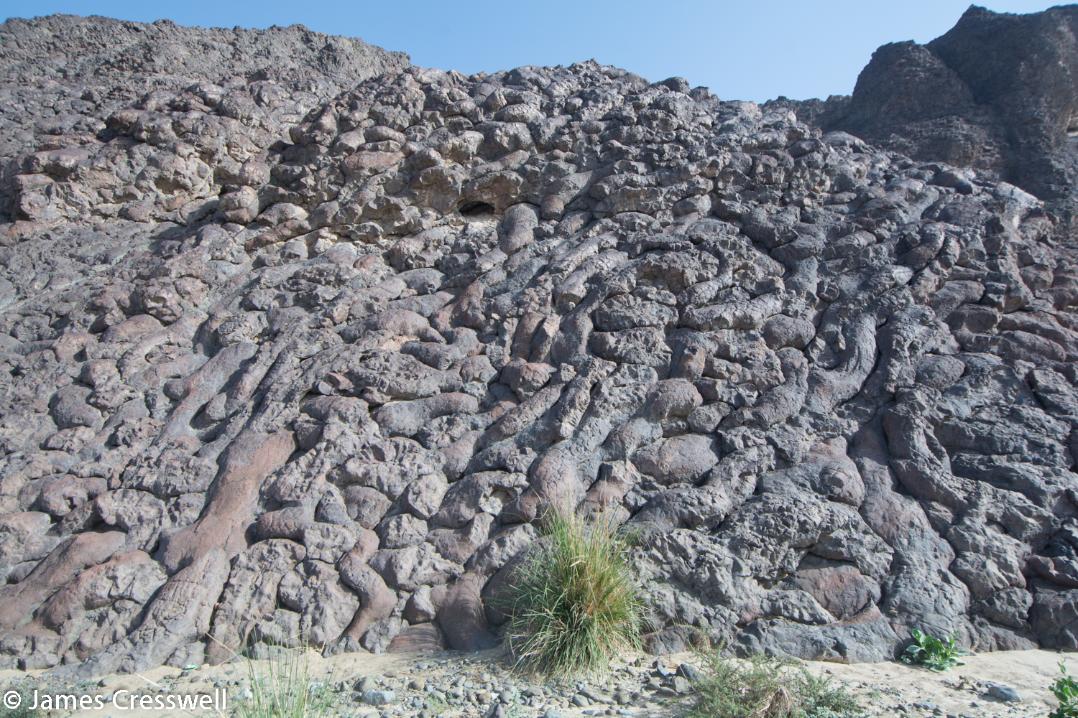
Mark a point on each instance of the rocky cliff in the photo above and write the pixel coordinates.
(997, 93)
(312, 379)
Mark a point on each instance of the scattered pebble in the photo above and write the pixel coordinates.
(1003, 692)
(378, 697)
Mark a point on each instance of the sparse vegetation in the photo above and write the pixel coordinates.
(763, 687)
(574, 604)
(935, 654)
(23, 710)
(283, 688)
(1065, 689)
(436, 704)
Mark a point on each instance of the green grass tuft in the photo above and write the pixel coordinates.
(1065, 689)
(283, 688)
(935, 654)
(763, 687)
(574, 604)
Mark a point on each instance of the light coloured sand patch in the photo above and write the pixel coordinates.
(1029, 672)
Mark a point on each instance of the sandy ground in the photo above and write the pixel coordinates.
(885, 689)
(350, 666)
(960, 690)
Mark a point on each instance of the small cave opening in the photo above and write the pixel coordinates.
(476, 209)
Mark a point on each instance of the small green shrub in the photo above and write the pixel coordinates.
(823, 698)
(283, 689)
(935, 654)
(574, 604)
(23, 710)
(1065, 689)
(763, 687)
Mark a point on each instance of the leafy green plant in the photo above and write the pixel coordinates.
(764, 687)
(935, 654)
(574, 603)
(283, 688)
(1065, 689)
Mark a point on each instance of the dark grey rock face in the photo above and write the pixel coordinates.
(998, 92)
(319, 389)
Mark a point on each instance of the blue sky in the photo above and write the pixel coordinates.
(741, 50)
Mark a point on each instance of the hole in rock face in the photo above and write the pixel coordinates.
(476, 209)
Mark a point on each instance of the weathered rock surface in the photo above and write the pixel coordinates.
(213, 98)
(317, 389)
